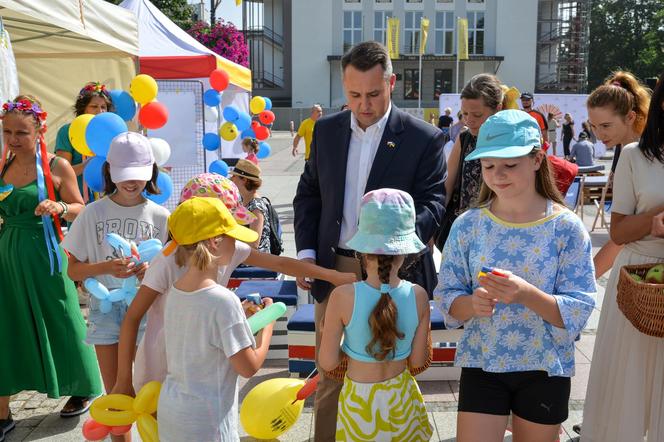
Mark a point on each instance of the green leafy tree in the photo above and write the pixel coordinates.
(177, 10)
(626, 34)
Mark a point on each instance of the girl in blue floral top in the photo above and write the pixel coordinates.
(520, 321)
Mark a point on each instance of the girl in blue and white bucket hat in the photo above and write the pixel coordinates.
(517, 274)
(385, 324)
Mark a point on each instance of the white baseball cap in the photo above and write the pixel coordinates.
(130, 157)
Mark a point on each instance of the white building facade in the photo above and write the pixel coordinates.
(502, 40)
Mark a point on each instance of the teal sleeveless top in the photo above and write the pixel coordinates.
(357, 334)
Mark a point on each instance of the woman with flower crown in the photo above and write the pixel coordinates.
(92, 99)
(41, 325)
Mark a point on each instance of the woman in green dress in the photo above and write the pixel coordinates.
(41, 325)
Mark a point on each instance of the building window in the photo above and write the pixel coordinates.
(475, 1)
(411, 84)
(413, 1)
(352, 28)
(476, 33)
(380, 25)
(352, 1)
(383, 1)
(442, 82)
(445, 33)
(411, 40)
(444, 1)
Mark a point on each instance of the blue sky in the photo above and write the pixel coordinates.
(227, 10)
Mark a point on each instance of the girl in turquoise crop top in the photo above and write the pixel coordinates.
(384, 322)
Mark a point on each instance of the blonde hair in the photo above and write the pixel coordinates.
(624, 93)
(545, 185)
(197, 255)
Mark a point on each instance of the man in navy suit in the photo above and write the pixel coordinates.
(373, 145)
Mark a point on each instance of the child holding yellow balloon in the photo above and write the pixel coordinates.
(385, 324)
(208, 339)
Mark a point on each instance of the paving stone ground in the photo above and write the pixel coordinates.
(37, 417)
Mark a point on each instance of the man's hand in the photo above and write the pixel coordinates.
(305, 283)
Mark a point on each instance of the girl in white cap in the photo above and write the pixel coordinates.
(384, 321)
(129, 170)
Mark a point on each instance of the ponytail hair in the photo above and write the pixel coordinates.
(383, 318)
(486, 87)
(624, 93)
(197, 255)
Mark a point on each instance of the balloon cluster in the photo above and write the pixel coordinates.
(114, 413)
(144, 252)
(91, 135)
(237, 123)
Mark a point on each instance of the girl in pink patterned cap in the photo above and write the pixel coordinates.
(150, 364)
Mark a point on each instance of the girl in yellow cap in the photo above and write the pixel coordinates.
(208, 339)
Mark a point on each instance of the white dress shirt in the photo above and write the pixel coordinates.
(361, 153)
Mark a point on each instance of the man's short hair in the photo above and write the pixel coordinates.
(364, 56)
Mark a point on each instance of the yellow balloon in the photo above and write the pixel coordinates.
(77, 134)
(114, 410)
(257, 105)
(268, 409)
(143, 89)
(147, 428)
(148, 398)
(228, 131)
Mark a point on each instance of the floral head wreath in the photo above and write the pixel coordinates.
(26, 106)
(95, 88)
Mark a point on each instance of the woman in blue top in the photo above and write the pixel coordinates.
(520, 318)
(385, 324)
(92, 99)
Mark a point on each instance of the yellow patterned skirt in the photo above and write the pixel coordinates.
(392, 410)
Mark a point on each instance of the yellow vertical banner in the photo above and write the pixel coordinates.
(462, 39)
(393, 37)
(424, 33)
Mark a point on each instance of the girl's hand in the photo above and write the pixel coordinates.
(657, 228)
(508, 289)
(267, 302)
(120, 268)
(139, 271)
(48, 207)
(249, 308)
(339, 278)
(483, 303)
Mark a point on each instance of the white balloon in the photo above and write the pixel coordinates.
(161, 150)
(211, 114)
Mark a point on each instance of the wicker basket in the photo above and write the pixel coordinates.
(641, 303)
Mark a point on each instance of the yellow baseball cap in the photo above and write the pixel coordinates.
(203, 218)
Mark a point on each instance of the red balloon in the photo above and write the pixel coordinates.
(262, 133)
(255, 124)
(93, 430)
(153, 115)
(119, 431)
(219, 79)
(266, 117)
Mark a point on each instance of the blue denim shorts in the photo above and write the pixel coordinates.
(104, 328)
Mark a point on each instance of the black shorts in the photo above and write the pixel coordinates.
(531, 395)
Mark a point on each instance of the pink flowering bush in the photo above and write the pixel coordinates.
(224, 39)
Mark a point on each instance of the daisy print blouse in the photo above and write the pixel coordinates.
(554, 254)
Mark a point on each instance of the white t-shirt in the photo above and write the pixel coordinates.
(86, 238)
(198, 400)
(150, 361)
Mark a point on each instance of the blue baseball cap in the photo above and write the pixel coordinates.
(507, 134)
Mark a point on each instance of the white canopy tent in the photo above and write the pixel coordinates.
(60, 45)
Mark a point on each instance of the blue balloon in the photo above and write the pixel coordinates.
(243, 122)
(125, 106)
(268, 103)
(231, 113)
(211, 141)
(165, 184)
(211, 98)
(264, 150)
(249, 133)
(92, 174)
(219, 167)
(101, 130)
